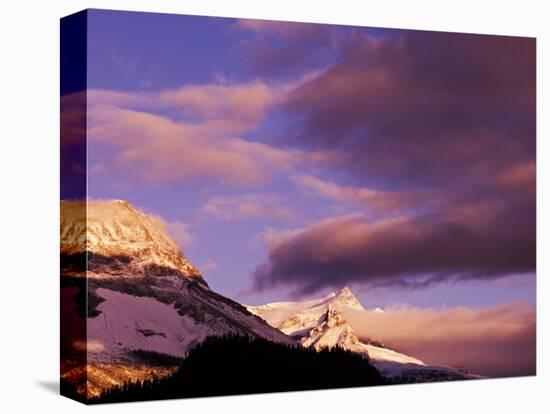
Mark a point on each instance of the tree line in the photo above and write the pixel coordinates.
(235, 364)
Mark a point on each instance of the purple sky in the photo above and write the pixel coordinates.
(292, 159)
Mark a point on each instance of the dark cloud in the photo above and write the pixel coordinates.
(285, 49)
(445, 114)
(73, 108)
(468, 242)
(422, 107)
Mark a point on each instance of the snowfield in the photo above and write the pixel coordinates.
(129, 323)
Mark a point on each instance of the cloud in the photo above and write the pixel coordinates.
(496, 341)
(186, 133)
(284, 29)
(191, 132)
(275, 48)
(404, 252)
(157, 149)
(73, 145)
(518, 177)
(210, 265)
(437, 126)
(179, 232)
(369, 198)
(247, 206)
(243, 104)
(422, 109)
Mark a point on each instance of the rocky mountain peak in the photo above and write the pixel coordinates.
(333, 317)
(120, 239)
(345, 297)
(321, 323)
(333, 331)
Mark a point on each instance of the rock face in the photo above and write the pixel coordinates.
(135, 303)
(321, 324)
(333, 330)
(119, 239)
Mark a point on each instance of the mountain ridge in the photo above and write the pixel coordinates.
(321, 323)
(118, 238)
(127, 289)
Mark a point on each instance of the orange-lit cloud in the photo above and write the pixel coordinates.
(193, 131)
(371, 199)
(247, 206)
(494, 341)
(158, 149)
(179, 232)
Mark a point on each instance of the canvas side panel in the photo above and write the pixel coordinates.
(73, 295)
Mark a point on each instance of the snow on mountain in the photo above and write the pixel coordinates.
(295, 318)
(120, 239)
(321, 324)
(333, 330)
(126, 322)
(142, 295)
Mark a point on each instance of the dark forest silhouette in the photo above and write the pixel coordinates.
(226, 365)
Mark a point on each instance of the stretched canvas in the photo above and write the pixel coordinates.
(253, 206)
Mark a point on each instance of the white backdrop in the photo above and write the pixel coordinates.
(29, 157)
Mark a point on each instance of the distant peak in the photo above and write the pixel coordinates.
(345, 291)
(345, 297)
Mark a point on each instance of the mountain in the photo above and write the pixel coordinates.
(321, 324)
(121, 240)
(132, 304)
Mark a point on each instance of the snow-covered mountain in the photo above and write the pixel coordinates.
(321, 323)
(142, 296)
(121, 240)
